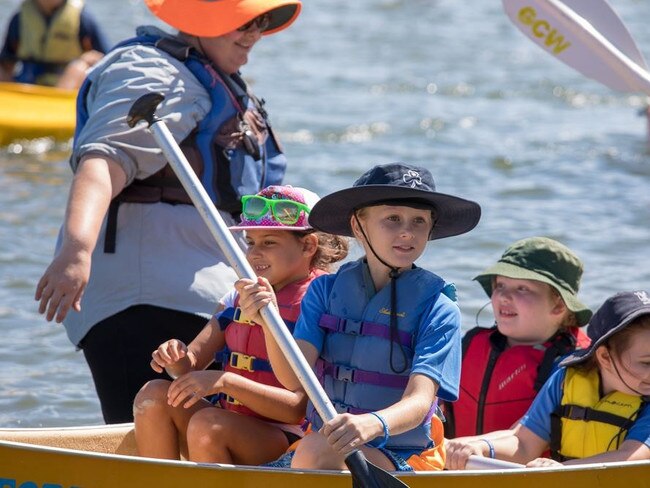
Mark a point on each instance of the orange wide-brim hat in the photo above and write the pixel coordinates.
(211, 18)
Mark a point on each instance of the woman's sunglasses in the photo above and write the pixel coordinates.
(286, 212)
(262, 22)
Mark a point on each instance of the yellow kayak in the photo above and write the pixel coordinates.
(31, 111)
(104, 457)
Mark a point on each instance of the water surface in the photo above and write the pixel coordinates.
(449, 85)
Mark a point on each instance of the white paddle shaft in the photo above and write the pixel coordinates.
(480, 462)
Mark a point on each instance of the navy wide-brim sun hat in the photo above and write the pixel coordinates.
(395, 184)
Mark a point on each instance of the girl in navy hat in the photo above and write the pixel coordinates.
(381, 334)
(594, 409)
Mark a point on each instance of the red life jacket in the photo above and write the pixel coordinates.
(498, 383)
(245, 353)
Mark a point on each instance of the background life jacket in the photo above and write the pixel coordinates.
(245, 352)
(585, 424)
(498, 383)
(354, 366)
(233, 149)
(45, 48)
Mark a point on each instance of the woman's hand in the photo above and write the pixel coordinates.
(192, 387)
(62, 285)
(347, 432)
(253, 295)
(96, 181)
(168, 354)
(459, 451)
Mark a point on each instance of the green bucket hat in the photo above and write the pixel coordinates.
(541, 259)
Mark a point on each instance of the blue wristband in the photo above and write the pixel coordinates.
(386, 429)
(490, 447)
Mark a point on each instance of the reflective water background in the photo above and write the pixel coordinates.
(445, 84)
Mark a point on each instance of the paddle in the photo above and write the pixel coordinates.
(586, 35)
(364, 473)
(479, 462)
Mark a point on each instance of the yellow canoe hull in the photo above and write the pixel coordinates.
(31, 111)
(103, 457)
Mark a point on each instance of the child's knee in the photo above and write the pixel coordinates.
(313, 452)
(153, 394)
(204, 426)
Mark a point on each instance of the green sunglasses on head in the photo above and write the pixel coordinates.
(286, 212)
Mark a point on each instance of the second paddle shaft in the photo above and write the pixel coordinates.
(615, 59)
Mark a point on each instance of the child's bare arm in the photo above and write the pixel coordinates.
(518, 445)
(630, 450)
(210, 340)
(272, 402)
(347, 432)
(177, 358)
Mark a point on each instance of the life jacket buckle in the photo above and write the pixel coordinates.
(232, 400)
(242, 361)
(576, 412)
(344, 374)
(352, 327)
(240, 318)
(249, 140)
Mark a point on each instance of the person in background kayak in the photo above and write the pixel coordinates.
(52, 43)
(594, 409)
(135, 264)
(533, 290)
(284, 249)
(381, 333)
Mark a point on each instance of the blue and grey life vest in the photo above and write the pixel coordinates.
(354, 366)
(232, 150)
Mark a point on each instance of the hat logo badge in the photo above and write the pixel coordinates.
(412, 178)
(643, 296)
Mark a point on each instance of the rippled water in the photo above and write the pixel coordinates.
(446, 84)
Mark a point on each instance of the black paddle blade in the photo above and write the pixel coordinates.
(367, 475)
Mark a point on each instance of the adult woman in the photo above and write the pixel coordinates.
(156, 272)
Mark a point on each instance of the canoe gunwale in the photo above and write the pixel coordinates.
(257, 469)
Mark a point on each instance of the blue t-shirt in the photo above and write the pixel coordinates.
(538, 417)
(437, 342)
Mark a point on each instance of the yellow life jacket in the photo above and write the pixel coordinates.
(56, 44)
(585, 424)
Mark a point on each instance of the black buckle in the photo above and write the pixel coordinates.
(577, 412)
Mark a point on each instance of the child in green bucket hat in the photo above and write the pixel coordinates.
(533, 290)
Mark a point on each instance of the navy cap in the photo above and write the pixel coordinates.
(615, 314)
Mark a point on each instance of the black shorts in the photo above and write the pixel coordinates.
(118, 351)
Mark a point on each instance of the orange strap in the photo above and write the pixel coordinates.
(431, 459)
